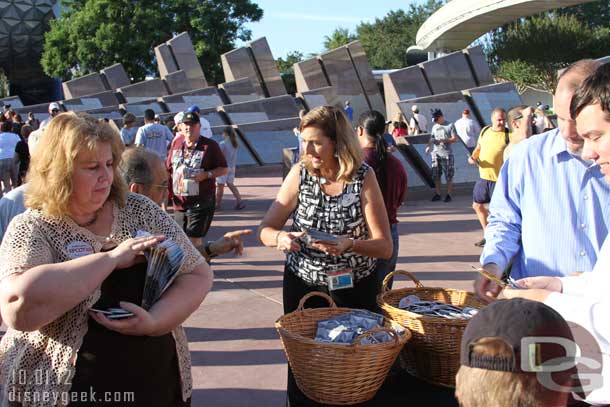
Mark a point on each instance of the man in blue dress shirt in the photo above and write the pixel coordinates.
(549, 210)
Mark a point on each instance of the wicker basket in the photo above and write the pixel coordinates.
(434, 351)
(339, 374)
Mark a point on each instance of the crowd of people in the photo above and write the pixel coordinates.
(73, 210)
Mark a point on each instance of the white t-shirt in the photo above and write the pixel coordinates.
(422, 123)
(584, 300)
(206, 129)
(468, 130)
(8, 142)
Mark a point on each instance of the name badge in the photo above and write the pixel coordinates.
(338, 280)
(79, 249)
(348, 200)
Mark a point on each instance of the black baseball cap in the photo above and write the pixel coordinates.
(437, 113)
(511, 321)
(190, 118)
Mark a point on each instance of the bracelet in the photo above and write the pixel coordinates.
(210, 175)
(208, 251)
(277, 238)
(353, 244)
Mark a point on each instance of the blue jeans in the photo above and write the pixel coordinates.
(384, 267)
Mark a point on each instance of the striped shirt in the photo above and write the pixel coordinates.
(339, 215)
(548, 210)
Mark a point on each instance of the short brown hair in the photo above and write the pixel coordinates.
(513, 114)
(476, 387)
(50, 175)
(498, 109)
(595, 89)
(333, 123)
(573, 75)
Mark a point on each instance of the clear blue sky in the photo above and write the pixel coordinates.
(301, 25)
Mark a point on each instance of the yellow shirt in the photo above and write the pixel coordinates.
(491, 156)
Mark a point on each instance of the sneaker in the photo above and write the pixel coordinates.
(435, 198)
(448, 198)
(480, 243)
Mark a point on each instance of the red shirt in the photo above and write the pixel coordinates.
(392, 179)
(206, 155)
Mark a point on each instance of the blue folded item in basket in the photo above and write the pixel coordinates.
(347, 327)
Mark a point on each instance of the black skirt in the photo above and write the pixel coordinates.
(125, 370)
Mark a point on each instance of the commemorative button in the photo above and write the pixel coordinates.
(79, 249)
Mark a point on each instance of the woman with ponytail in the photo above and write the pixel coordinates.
(391, 177)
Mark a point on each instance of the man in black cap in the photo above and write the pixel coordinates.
(442, 135)
(507, 353)
(194, 162)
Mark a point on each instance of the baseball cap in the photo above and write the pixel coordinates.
(414, 108)
(511, 321)
(437, 113)
(465, 111)
(193, 109)
(178, 118)
(53, 106)
(190, 117)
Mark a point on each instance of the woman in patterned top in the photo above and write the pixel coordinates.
(331, 190)
(73, 248)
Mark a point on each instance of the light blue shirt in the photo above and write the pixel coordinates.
(548, 210)
(128, 135)
(11, 205)
(155, 137)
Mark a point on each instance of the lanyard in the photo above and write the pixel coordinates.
(182, 160)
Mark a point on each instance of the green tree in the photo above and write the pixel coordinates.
(386, 40)
(595, 14)
(339, 37)
(286, 68)
(93, 34)
(542, 45)
(520, 72)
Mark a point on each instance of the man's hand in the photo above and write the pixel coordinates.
(552, 284)
(534, 294)
(486, 290)
(230, 241)
(471, 161)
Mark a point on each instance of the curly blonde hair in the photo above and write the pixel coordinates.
(50, 175)
(333, 123)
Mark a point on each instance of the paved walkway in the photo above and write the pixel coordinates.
(237, 355)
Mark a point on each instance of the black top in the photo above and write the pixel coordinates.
(112, 362)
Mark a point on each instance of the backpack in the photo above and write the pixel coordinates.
(416, 124)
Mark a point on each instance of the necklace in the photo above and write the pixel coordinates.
(90, 222)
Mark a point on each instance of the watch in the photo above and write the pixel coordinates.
(208, 251)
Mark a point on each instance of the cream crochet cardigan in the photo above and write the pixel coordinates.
(42, 363)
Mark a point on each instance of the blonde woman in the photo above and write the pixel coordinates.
(333, 191)
(75, 247)
(229, 149)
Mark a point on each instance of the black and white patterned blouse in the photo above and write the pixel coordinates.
(339, 215)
